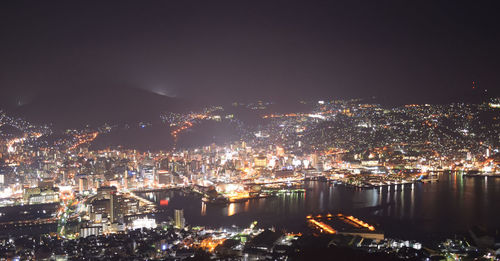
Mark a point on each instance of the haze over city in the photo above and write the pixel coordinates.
(226, 50)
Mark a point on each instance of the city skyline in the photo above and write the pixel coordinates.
(249, 130)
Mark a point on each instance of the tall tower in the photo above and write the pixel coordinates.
(125, 179)
(179, 218)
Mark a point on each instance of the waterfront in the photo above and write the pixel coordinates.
(425, 212)
(28, 219)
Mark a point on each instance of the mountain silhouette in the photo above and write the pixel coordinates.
(77, 107)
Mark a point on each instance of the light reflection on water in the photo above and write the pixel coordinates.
(407, 211)
(231, 209)
(203, 208)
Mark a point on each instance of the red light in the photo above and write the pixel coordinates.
(164, 202)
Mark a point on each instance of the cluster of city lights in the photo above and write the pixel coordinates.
(84, 138)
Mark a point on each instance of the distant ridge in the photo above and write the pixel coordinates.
(470, 96)
(78, 107)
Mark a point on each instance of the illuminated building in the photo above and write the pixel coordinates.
(83, 184)
(280, 151)
(90, 231)
(179, 221)
(41, 195)
(260, 161)
(148, 223)
(164, 163)
(314, 160)
(284, 174)
(110, 205)
(99, 209)
(164, 177)
(46, 184)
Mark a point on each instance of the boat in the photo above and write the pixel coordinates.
(217, 200)
(429, 180)
(238, 200)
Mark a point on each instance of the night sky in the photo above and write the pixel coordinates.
(240, 50)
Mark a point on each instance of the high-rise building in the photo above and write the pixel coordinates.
(164, 163)
(280, 151)
(179, 218)
(260, 161)
(83, 184)
(314, 160)
(164, 177)
(125, 179)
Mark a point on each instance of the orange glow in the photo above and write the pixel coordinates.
(361, 223)
(231, 209)
(84, 138)
(328, 229)
(187, 124)
(66, 195)
(210, 244)
(238, 195)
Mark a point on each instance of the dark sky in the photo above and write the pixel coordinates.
(237, 50)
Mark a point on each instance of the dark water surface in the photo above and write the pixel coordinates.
(425, 212)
